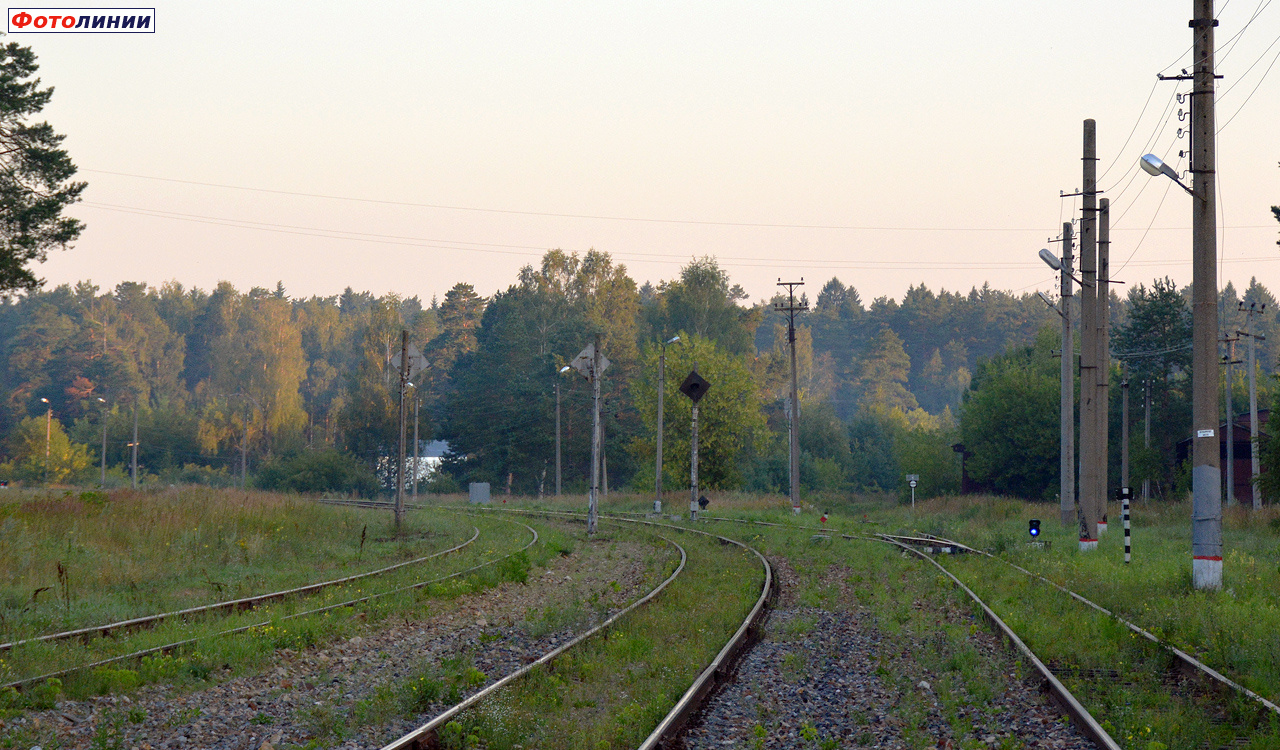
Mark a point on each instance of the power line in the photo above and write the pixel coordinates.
(1251, 93)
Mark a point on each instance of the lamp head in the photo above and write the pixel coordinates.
(44, 400)
(1045, 298)
(673, 339)
(1050, 259)
(1152, 165)
(101, 399)
(564, 369)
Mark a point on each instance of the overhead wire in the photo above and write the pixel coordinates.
(1254, 91)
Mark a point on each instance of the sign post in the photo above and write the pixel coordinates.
(695, 387)
(913, 479)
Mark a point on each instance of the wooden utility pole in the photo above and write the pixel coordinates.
(1089, 365)
(1067, 464)
(404, 379)
(1146, 433)
(791, 309)
(1103, 362)
(1206, 473)
(133, 471)
(415, 443)
(693, 459)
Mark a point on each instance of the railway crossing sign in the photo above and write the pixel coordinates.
(695, 386)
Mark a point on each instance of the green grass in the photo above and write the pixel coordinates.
(216, 656)
(613, 689)
(71, 561)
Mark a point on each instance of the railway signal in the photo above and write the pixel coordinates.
(695, 387)
(1033, 527)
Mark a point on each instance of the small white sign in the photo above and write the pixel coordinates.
(1204, 433)
(912, 483)
(913, 477)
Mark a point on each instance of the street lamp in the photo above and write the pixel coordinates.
(1206, 470)
(563, 370)
(662, 373)
(1066, 395)
(103, 401)
(48, 431)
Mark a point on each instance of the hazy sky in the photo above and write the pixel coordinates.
(408, 146)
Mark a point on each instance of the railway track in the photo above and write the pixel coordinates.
(168, 648)
(230, 605)
(1187, 663)
(714, 673)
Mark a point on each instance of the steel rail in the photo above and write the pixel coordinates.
(1194, 665)
(20, 684)
(722, 665)
(1059, 692)
(248, 602)
(425, 735)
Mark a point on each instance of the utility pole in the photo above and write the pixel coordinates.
(1124, 428)
(1253, 398)
(662, 375)
(558, 433)
(1089, 365)
(404, 379)
(1206, 498)
(1146, 434)
(415, 443)
(1228, 360)
(791, 309)
(48, 435)
(104, 442)
(594, 499)
(1103, 311)
(1067, 465)
(133, 472)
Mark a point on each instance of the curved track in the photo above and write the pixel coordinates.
(425, 735)
(706, 681)
(169, 647)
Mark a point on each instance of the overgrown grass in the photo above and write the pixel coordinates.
(215, 656)
(71, 560)
(613, 689)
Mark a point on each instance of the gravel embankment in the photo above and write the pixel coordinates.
(312, 694)
(830, 678)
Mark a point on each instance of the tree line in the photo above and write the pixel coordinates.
(301, 392)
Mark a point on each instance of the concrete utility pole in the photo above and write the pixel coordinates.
(1253, 397)
(1146, 434)
(415, 443)
(404, 379)
(662, 376)
(1228, 360)
(1124, 428)
(1103, 362)
(1067, 462)
(104, 442)
(133, 471)
(791, 309)
(1206, 474)
(593, 500)
(1089, 365)
(558, 433)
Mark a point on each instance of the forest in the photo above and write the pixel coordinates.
(228, 386)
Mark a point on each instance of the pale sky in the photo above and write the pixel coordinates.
(408, 146)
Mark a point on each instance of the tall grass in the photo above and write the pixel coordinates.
(70, 560)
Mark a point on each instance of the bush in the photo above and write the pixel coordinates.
(318, 471)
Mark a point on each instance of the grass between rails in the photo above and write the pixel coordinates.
(70, 561)
(216, 656)
(924, 627)
(611, 690)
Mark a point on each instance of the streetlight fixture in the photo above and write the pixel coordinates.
(1152, 165)
(662, 373)
(48, 431)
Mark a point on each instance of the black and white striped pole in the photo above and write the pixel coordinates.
(1125, 493)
